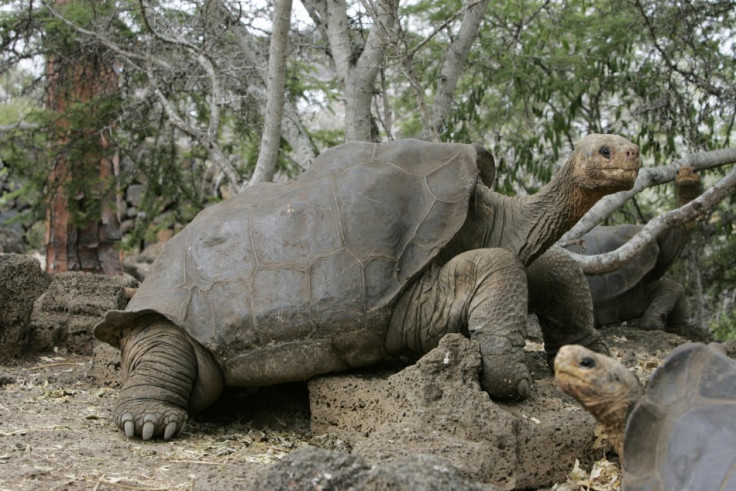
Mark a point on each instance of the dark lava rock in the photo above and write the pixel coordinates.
(21, 282)
(312, 468)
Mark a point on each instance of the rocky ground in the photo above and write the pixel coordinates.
(56, 431)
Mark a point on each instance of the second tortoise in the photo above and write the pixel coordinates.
(677, 433)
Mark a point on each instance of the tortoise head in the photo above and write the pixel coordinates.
(687, 183)
(604, 387)
(604, 164)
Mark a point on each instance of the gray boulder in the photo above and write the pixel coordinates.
(66, 313)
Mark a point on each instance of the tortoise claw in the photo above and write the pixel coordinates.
(171, 430)
(147, 431)
(128, 425)
(151, 422)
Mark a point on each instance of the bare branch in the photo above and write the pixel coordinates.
(203, 138)
(208, 139)
(205, 61)
(454, 59)
(442, 26)
(21, 125)
(648, 177)
(605, 263)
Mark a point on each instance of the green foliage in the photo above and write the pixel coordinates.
(544, 73)
(724, 326)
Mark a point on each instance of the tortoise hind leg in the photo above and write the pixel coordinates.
(166, 376)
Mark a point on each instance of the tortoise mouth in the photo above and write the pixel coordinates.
(621, 173)
(618, 178)
(566, 371)
(569, 382)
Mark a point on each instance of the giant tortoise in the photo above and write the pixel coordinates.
(679, 433)
(375, 251)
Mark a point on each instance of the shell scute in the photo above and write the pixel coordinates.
(336, 283)
(309, 213)
(389, 202)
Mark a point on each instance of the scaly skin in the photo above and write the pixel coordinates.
(529, 226)
(559, 295)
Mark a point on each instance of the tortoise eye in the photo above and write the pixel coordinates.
(605, 151)
(587, 362)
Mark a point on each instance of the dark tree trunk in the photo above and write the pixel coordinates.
(82, 230)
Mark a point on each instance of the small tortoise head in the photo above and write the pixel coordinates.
(688, 185)
(604, 387)
(605, 164)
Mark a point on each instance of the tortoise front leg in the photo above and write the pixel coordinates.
(560, 296)
(166, 377)
(481, 293)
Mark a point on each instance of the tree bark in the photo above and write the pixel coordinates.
(648, 177)
(454, 60)
(605, 263)
(271, 137)
(81, 174)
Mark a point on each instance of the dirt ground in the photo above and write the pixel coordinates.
(56, 433)
(56, 430)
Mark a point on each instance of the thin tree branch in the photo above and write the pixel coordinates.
(440, 28)
(21, 125)
(203, 138)
(205, 61)
(271, 136)
(209, 138)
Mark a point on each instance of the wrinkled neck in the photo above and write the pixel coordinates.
(613, 413)
(685, 194)
(528, 225)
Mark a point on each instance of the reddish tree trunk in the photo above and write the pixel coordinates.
(83, 227)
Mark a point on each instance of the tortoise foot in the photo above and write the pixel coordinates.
(505, 375)
(146, 419)
(651, 324)
(160, 369)
(506, 378)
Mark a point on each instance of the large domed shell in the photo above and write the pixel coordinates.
(682, 434)
(325, 254)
